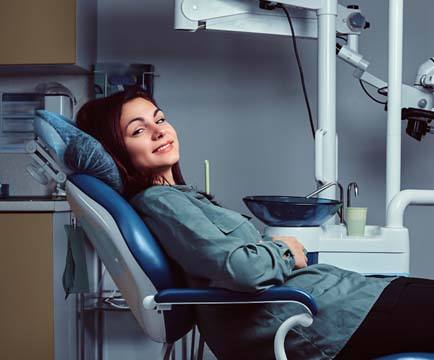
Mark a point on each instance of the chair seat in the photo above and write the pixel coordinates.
(408, 356)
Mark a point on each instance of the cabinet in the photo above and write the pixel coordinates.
(48, 35)
(36, 320)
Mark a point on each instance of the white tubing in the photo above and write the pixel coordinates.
(396, 208)
(327, 90)
(279, 339)
(393, 156)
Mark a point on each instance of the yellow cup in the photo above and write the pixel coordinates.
(356, 221)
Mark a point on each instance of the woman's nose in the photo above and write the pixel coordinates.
(158, 133)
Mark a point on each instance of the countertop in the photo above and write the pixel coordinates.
(33, 204)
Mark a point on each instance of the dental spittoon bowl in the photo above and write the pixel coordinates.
(292, 211)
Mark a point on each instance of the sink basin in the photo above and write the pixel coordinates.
(292, 211)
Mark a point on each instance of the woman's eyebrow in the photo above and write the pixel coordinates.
(156, 111)
(141, 118)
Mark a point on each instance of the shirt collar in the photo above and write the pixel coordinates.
(192, 188)
(185, 187)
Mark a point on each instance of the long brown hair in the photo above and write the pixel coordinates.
(101, 119)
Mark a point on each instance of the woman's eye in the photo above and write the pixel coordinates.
(137, 131)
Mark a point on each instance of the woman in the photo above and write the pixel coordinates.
(359, 317)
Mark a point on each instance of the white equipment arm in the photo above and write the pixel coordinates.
(246, 16)
(417, 96)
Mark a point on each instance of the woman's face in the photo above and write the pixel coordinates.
(144, 130)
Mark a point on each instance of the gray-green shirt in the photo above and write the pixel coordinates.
(219, 247)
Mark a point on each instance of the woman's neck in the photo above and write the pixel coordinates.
(165, 179)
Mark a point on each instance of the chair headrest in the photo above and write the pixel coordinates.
(76, 150)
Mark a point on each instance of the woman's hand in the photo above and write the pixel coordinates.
(297, 249)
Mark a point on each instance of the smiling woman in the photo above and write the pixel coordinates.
(131, 127)
(150, 140)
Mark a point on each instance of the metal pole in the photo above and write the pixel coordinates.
(393, 160)
(327, 91)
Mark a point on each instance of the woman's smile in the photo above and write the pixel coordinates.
(164, 148)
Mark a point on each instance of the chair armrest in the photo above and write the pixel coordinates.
(183, 296)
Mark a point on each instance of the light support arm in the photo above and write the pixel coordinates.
(246, 16)
(306, 4)
(412, 96)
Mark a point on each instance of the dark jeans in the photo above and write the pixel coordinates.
(401, 320)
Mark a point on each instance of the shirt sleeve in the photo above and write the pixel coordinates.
(192, 240)
(287, 251)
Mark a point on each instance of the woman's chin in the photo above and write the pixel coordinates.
(170, 155)
(168, 159)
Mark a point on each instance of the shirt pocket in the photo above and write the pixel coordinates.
(228, 221)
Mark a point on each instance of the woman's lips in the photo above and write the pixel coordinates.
(166, 149)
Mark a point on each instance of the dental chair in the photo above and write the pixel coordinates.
(148, 280)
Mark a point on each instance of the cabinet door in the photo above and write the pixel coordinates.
(26, 303)
(37, 32)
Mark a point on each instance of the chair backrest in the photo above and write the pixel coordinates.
(130, 253)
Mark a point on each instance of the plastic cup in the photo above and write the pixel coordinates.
(356, 221)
